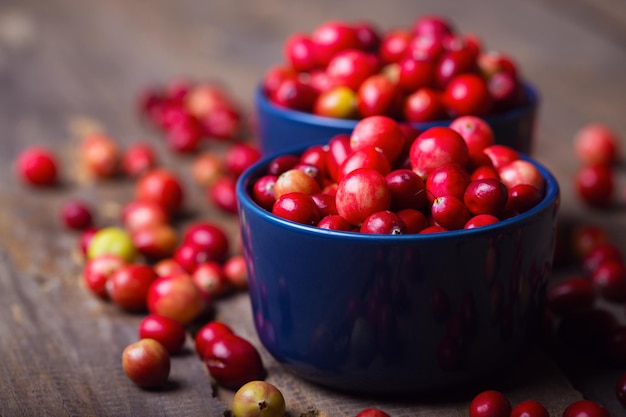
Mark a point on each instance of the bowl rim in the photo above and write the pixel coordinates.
(244, 200)
(267, 106)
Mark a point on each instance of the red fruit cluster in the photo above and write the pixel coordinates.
(583, 325)
(189, 112)
(492, 403)
(388, 180)
(597, 148)
(427, 72)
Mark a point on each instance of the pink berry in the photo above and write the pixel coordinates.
(596, 144)
(37, 166)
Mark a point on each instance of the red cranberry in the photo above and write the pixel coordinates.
(298, 207)
(450, 212)
(522, 197)
(522, 172)
(595, 185)
(501, 155)
(481, 220)
(223, 194)
(372, 412)
(585, 408)
(416, 73)
(210, 279)
(281, 164)
(368, 36)
(168, 266)
(325, 203)
(76, 215)
(295, 94)
(295, 180)
(529, 408)
(571, 294)
(447, 179)
(407, 190)
(586, 237)
(467, 94)
(162, 187)
(97, 271)
(189, 255)
(488, 196)
(210, 237)
(170, 333)
(37, 166)
(155, 241)
(236, 272)
(299, 51)
(139, 214)
(184, 135)
(378, 95)
(331, 38)
(335, 222)
(206, 168)
(338, 150)
(432, 25)
(232, 361)
(476, 132)
(263, 191)
(350, 68)
(209, 332)
(146, 363)
(369, 157)
(175, 296)
(85, 238)
(128, 286)
(490, 404)
(414, 220)
(275, 76)
(383, 222)
(437, 146)
(596, 144)
(240, 156)
(138, 159)
(394, 45)
(609, 278)
(454, 63)
(100, 155)
(381, 132)
(360, 193)
(601, 253)
(423, 105)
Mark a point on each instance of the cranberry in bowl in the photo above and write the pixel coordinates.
(392, 312)
(344, 71)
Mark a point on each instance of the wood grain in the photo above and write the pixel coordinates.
(66, 66)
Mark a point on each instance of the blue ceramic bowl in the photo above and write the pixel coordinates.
(391, 314)
(280, 129)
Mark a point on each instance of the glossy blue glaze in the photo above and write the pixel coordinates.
(389, 314)
(280, 129)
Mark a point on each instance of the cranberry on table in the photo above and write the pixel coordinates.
(175, 296)
(596, 143)
(595, 185)
(233, 361)
(138, 159)
(258, 399)
(240, 156)
(162, 187)
(609, 278)
(571, 294)
(585, 408)
(141, 213)
(147, 363)
(100, 155)
(602, 252)
(128, 286)
(586, 237)
(210, 279)
(37, 166)
(210, 237)
(222, 193)
(529, 408)
(207, 333)
(490, 403)
(167, 331)
(97, 271)
(372, 412)
(154, 242)
(76, 215)
(236, 272)
(206, 168)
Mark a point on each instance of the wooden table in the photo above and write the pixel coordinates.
(66, 64)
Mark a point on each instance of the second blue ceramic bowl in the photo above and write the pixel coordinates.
(280, 129)
(393, 314)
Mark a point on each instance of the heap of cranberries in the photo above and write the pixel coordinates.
(426, 72)
(379, 180)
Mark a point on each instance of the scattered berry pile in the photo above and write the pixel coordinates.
(427, 72)
(386, 180)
